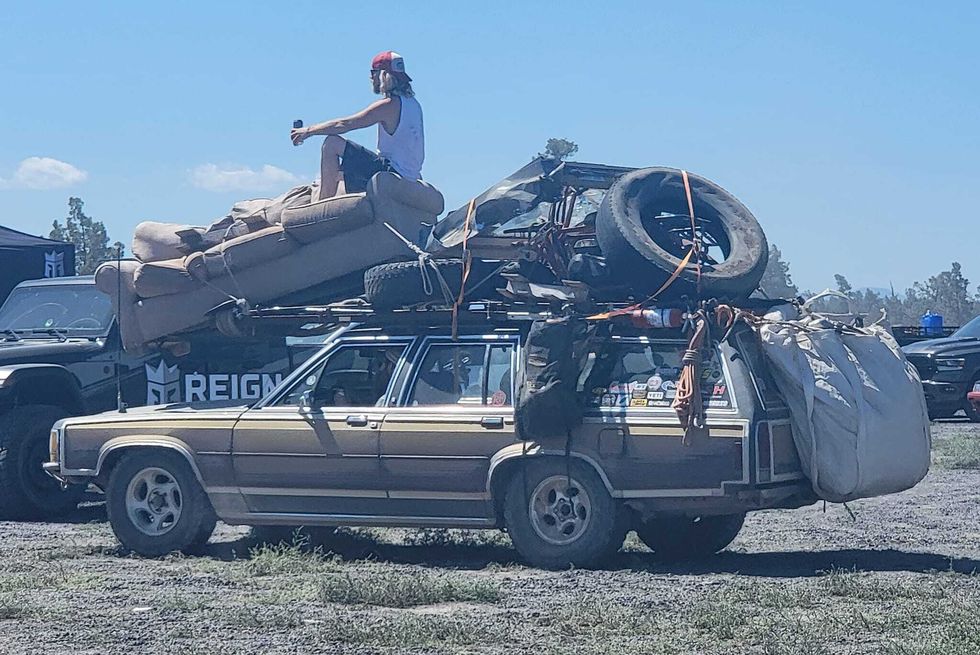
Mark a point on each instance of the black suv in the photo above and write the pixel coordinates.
(950, 369)
(59, 351)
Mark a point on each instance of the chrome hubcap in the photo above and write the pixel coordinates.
(560, 510)
(154, 501)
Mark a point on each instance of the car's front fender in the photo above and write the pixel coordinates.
(112, 449)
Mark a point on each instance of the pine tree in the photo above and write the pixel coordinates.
(89, 236)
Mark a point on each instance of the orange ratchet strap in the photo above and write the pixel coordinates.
(695, 243)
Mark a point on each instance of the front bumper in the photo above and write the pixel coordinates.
(54, 470)
(945, 397)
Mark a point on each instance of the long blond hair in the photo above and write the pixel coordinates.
(394, 84)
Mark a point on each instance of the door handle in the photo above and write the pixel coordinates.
(493, 422)
(359, 421)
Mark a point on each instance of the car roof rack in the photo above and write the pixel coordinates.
(305, 320)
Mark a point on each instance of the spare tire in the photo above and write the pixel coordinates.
(644, 231)
(389, 286)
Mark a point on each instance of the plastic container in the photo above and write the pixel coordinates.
(931, 324)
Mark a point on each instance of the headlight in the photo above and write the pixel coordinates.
(54, 445)
(950, 363)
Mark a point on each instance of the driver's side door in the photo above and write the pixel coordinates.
(316, 450)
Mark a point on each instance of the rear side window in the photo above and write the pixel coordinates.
(454, 374)
(644, 374)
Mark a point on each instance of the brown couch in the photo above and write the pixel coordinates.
(270, 251)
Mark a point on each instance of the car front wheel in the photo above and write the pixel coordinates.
(156, 505)
(559, 514)
(685, 537)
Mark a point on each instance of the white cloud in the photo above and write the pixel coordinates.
(44, 173)
(241, 178)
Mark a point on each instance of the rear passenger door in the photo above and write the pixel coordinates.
(455, 412)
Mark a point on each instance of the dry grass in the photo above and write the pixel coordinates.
(959, 451)
(385, 587)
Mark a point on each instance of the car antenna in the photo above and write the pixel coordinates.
(120, 405)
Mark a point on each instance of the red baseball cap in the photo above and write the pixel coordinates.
(390, 61)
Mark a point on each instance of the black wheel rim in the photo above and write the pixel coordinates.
(673, 233)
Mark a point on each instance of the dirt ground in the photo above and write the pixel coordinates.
(898, 578)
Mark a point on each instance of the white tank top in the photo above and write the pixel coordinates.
(405, 149)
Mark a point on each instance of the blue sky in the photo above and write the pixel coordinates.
(850, 129)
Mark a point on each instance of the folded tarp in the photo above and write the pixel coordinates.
(859, 415)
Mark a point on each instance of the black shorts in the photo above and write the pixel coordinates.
(359, 165)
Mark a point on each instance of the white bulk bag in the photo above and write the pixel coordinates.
(859, 416)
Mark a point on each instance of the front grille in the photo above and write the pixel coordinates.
(924, 365)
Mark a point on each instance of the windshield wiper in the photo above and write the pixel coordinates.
(11, 335)
(62, 336)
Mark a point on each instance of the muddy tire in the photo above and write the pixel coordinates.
(156, 505)
(559, 514)
(26, 491)
(684, 537)
(390, 286)
(645, 251)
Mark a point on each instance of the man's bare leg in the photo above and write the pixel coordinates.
(330, 154)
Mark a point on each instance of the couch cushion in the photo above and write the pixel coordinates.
(162, 278)
(247, 251)
(154, 242)
(269, 210)
(319, 220)
(388, 187)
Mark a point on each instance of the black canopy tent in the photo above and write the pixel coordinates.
(27, 257)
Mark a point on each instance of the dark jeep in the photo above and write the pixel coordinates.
(59, 351)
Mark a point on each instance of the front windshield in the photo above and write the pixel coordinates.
(72, 309)
(971, 329)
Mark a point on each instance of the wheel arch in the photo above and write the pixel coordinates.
(113, 450)
(507, 461)
(42, 384)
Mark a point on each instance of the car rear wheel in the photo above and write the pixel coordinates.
(689, 537)
(156, 505)
(26, 491)
(559, 514)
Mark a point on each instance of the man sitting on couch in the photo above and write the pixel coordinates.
(401, 139)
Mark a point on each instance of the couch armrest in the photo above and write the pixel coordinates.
(118, 283)
(388, 187)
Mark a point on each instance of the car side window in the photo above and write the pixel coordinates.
(352, 376)
(500, 377)
(452, 374)
(644, 375)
